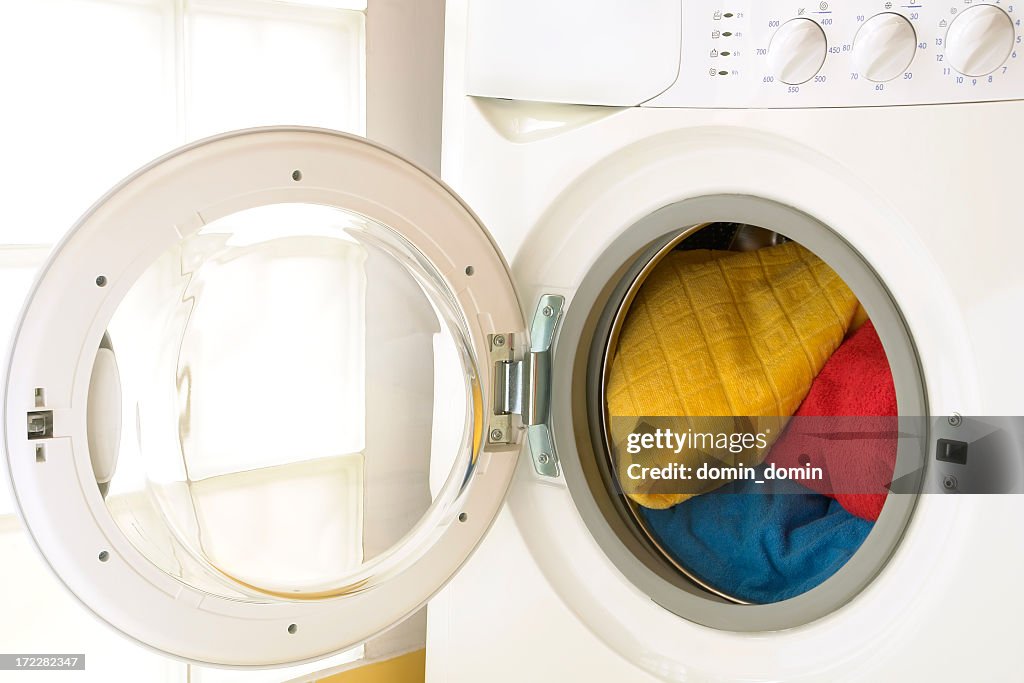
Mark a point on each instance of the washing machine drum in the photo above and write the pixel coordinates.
(245, 405)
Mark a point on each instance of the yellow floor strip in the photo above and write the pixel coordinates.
(408, 668)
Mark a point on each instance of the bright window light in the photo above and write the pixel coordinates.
(272, 67)
(92, 90)
(88, 97)
(357, 5)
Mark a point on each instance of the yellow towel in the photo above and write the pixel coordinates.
(718, 333)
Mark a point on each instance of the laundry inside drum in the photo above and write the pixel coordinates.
(298, 405)
(750, 413)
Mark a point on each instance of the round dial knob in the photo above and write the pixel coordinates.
(797, 51)
(979, 40)
(884, 47)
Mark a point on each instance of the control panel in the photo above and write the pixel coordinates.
(839, 53)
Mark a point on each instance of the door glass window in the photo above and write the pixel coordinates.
(298, 397)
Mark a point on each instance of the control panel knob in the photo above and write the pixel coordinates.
(884, 47)
(797, 51)
(979, 40)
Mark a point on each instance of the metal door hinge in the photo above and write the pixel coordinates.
(522, 386)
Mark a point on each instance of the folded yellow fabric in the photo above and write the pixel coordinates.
(719, 333)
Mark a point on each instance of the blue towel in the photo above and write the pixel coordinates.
(759, 547)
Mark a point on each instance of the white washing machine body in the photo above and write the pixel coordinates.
(577, 172)
(920, 182)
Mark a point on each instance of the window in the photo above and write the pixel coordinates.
(101, 87)
(90, 91)
(93, 89)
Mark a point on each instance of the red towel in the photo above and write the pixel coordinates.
(855, 382)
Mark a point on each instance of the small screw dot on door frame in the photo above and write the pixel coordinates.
(293, 629)
(296, 175)
(101, 280)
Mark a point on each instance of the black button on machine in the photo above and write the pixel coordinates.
(948, 450)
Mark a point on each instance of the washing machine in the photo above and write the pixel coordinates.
(273, 392)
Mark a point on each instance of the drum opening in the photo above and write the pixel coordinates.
(723, 315)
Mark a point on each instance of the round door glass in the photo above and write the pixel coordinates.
(299, 405)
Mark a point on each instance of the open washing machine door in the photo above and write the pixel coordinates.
(262, 401)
